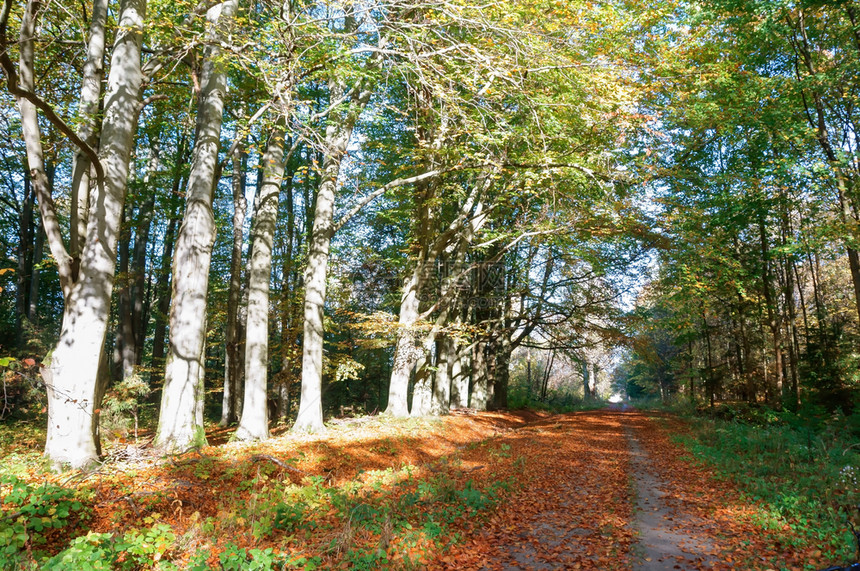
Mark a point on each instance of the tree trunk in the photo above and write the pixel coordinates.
(481, 395)
(74, 393)
(502, 373)
(709, 379)
(123, 350)
(25, 262)
(288, 307)
(163, 302)
(140, 317)
(88, 111)
(255, 421)
(445, 356)
(460, 367)
(422, 392)
(310, 402)
(338, 134)
(794, 394)
(546, 375)
(233, 366)
(38, 252)
(407, 352)
(691, 362)
(772, 317)
(163, 288)
(181, 418)
(586, 385)
(853, 255)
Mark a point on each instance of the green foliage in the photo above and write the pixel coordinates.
(136, 549)
(235, 558)
(291, 517)
(22, 395)
(121, 406)
(148, 544)
(801, 472)
(91, 552)
(31, 512)
(367, 559)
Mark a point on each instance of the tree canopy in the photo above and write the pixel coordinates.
(279, 212)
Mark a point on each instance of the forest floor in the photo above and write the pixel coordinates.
(604, 489)
(610, 490)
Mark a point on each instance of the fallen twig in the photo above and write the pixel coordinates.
(281, 463)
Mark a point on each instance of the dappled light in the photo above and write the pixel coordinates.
(429, 284)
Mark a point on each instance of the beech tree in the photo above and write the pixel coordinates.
(255, 419)
(181, 416)
(72, 378)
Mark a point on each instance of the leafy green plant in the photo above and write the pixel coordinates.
(366, 558)
(291, 516)
(504, 451)
(235, 558)
(120, 413)
(91, 552)
(149, 544)
(32, 511)
(800, 472)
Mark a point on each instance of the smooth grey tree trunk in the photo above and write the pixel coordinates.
(407, 352)
(88, 110)
(338, 134)
(481, 395)
(310, 402)
(422, 391)
(180, 423)
(232, 357)
(460, 375)
(501, 370)
(255, 421)
(74, 393)
(445, 355)
(38, 177)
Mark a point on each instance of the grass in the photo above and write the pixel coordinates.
(801, 472)
(372, 492)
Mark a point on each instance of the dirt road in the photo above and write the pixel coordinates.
(610, 491)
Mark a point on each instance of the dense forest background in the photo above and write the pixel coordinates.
(260, 212)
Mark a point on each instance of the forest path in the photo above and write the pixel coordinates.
(668, 536)
(608, 490)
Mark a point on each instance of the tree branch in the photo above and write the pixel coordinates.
(50, 115)
(380, 191)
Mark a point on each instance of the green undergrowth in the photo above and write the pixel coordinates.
(557, 401)
(262, 518)
(802, 471)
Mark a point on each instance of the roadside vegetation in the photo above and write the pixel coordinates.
(800, 471)
(373, 492)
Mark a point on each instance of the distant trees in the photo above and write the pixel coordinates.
(757, 183)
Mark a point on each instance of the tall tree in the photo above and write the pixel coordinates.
(73, 376)
(255, 422)
(181, 417)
